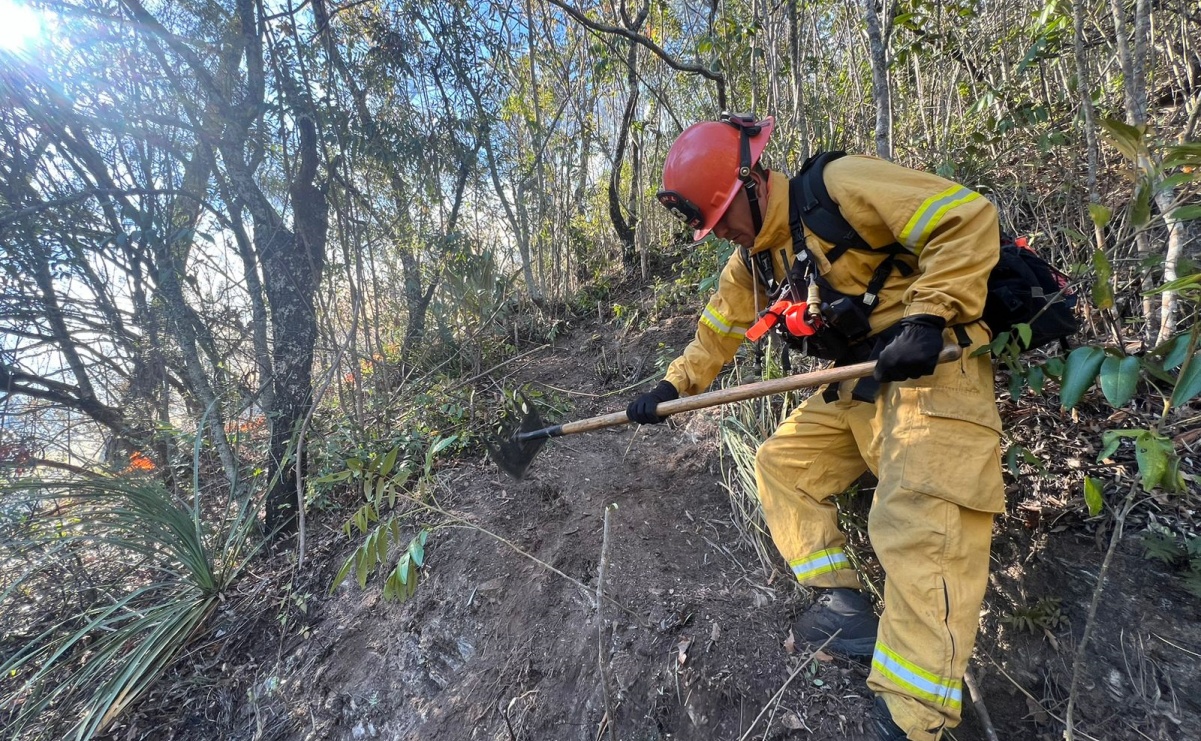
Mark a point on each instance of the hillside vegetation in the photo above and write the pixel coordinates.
(273, 272)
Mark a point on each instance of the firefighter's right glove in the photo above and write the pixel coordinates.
(642, 409)
(914, 352)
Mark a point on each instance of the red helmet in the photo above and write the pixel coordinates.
(705, 168)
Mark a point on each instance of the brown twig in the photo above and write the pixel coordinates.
(978, 702)
(606, 680)
(501, 364)
(696, 69)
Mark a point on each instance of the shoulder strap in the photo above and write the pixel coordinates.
(810, 205)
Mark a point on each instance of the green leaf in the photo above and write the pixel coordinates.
(1017, 382)
(1125, 137)
(1186, 213)
(443, 444)
(1173, 480)
(333, 478)
(1054, 367)
(1188, 384)
(361, 566)
(1092, 496)
(1110, 439)
(417, 552)
(1160, 545)
(1119, 379)
(382, 541)
(999, 343)
(1025, 333)
(1174, 351)
(1103, 287)
(1180, 284)
(1036, 378)
(1079, 374)
(1151, 452)
(1182, 155)
(1175, 182)
(385, 468)
(380, 484)
(343, 573)
(1140, 209)
(1100, 214)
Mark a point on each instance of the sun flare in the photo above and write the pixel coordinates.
(20, 25)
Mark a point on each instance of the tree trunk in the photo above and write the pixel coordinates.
(881, 94)
(292, 269)
(625, 228)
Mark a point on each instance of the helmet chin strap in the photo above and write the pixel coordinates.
(752, 197)
(747, 128)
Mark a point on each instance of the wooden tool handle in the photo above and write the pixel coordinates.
(745, 391)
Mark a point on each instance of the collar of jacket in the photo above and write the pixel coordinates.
(775, 231)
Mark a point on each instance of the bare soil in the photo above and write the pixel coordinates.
(693, 632)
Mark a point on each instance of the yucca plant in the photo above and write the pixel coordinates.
(92, 665)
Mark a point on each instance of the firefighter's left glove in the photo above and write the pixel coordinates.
(642, 409)
(914, 352)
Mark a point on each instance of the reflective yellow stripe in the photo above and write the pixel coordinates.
(713, 319)
(822, 562)
(916, 681)
(930, 213)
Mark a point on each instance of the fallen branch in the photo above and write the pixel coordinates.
(978, 702)
(606, 680)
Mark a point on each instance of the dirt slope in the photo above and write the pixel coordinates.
(495, 645)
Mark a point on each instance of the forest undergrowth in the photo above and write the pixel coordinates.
(270, 274)
(1099, 538)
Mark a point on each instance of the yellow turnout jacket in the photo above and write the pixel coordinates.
(950, 232)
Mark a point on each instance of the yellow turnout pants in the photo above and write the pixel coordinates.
(934, 444)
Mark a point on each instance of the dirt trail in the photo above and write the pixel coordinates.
(496, 646)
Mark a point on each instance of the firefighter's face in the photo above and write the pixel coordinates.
(736, 223)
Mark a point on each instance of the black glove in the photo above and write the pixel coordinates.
(914, 352)
(642, 409)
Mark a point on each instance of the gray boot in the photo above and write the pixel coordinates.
(845, 611)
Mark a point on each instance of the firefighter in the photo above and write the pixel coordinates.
(929, 432)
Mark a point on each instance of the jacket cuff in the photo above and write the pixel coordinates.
(675, 380)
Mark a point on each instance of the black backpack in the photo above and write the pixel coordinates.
(1022, 287)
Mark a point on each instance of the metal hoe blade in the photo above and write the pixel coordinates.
(511, 451)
